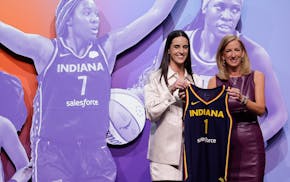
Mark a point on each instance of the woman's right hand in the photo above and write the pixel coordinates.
(180, 85)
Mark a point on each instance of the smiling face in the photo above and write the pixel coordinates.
(233, 54)
(84, 22)
(178, 51)
(222, 16)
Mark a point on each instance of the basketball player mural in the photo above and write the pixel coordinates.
(71, 106)
(12, 117)
(10, 142)
(215, 19)
(12, 92)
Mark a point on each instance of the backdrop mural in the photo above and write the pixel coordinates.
(263, 22)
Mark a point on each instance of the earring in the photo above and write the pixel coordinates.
(224, 62)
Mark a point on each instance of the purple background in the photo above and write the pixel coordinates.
(264, 21)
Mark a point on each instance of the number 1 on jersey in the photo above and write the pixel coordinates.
(205, 125)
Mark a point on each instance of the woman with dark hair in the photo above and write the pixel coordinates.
(164, 101)
(246, 89)
(71, 106)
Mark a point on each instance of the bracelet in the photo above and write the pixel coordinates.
(244, 100)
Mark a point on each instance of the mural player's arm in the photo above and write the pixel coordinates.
(33, 46)
(121, 39)
(277, 112)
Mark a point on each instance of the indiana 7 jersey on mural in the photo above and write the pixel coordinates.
(73, 95)
(207, 129)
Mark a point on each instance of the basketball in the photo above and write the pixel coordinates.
(127, 117)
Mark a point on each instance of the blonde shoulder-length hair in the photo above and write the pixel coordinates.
(223, 71)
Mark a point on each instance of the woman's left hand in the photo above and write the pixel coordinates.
(181, 92)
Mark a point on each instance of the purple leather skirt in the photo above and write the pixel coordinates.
(247, 153)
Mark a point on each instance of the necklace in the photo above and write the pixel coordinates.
(234, 81)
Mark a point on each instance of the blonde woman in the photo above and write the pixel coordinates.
(246, 89)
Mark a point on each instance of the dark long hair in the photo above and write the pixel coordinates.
(166, 57)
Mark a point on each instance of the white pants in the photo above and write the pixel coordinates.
(161, 172)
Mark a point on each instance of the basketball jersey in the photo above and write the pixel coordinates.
(207, 129)
(72, 100)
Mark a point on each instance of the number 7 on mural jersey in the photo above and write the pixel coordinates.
(84, 83)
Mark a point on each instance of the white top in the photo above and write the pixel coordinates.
(165, 111)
